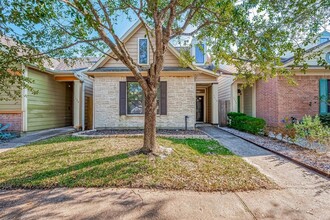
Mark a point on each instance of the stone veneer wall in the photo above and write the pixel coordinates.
(181, 95)
(15, 119)
(276, 99)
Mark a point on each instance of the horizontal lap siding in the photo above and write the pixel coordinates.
(132, 48)
(10, 105)
(248, 100)
(52, 106)
(88, 103)
(224, 89)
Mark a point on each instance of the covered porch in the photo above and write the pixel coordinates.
(206, 100)
(244, 98)
(82, 99)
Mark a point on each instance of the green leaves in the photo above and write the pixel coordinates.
(251, 35)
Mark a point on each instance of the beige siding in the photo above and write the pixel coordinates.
(224, 89)
(52, 106)
(313, 61)
(88, 103)
(247, 94)
(205, 78)
(209, 105)
(132, 48)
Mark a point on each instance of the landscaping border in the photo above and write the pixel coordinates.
(83, 134)
(327, 175)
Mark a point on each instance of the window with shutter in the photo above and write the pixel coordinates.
(134, 98)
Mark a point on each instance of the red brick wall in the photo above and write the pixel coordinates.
(277, 99)
(267, 101)
(14, 119)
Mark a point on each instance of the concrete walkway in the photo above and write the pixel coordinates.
(31, 137)
(304, 195)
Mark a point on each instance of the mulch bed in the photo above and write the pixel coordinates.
(139, 132)
(313, 158)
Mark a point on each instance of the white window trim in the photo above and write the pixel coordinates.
(194, 53)
(138, 50)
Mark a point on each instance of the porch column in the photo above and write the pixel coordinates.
(234, 97)
(76, 104)
(215, 104)
(254, 100)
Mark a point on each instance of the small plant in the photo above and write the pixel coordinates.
(325, 119)
(311, 129)
(5, 135)
(288, 130)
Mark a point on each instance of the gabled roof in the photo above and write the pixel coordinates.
(54, 65)
(288, 61)
(125, 38)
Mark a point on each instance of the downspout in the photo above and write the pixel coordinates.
(81, 77)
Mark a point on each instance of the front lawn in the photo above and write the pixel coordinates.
(195, 164)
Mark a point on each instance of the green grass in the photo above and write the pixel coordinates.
(195, 164)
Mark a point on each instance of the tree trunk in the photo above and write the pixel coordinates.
(149, 143)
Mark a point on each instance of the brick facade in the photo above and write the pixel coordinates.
(277, 99)
(181, 95)
(14, 119)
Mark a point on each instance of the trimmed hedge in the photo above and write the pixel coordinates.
(243, 122)
(325, 119)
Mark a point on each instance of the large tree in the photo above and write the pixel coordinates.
(250, 34)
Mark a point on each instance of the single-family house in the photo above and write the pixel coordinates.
(65, 98)
(276, 99)
(187, 95)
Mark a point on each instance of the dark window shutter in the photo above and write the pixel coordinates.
(163, 98)
(323, 96)
(122, 98)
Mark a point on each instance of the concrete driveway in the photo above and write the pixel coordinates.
(303, 195)
(34, 136)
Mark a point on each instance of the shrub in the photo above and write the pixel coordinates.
(231, 118)
(246, 123)
(325, 119)
(311, 129)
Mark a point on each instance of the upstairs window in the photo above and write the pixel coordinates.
(199, 53)
(327, 57)
(143, 55)
(323, 39)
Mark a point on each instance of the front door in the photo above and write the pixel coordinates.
(200, 108)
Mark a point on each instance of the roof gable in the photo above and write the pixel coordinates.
(130, 38)
(324, 47)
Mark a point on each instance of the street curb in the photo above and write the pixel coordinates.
(327, 175)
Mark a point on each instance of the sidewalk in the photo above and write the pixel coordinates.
(31, 137)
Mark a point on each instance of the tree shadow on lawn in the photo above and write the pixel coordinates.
(81, 174)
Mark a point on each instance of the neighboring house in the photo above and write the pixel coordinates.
(185, 92)
(64, 99)
(275, 99)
